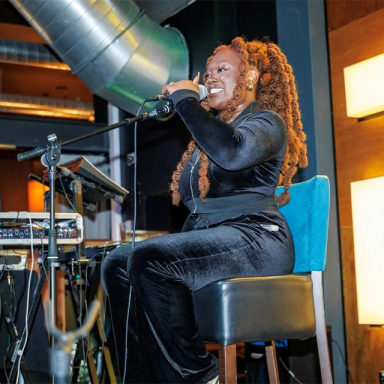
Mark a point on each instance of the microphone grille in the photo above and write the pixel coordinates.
(203, 92)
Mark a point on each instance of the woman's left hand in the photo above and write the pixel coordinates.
(183, 84)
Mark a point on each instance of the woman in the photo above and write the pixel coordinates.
(227, 178)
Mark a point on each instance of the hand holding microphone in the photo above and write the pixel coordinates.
(194, 85)
(167, 91)
(203, 92)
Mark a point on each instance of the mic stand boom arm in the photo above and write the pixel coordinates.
(124, 123)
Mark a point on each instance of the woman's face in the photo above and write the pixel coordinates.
(221, 77)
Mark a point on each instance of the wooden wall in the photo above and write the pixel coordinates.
(14, 180)
(343, 12)
(359, 150)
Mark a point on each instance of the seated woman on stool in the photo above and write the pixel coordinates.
(227, 178)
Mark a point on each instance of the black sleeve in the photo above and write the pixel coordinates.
(256, 139)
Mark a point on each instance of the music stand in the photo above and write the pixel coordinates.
(96, 186)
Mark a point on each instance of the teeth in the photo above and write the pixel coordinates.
(215, 90)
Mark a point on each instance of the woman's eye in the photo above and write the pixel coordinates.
(222, 70)
(206, 76)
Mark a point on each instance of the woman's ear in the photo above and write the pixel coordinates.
(252, 76)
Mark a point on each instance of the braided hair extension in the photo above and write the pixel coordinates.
(179, 169)
(275, 91)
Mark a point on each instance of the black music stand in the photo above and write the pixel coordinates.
(95, 186)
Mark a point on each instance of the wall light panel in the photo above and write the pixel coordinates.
(364, 87)
(368, 233)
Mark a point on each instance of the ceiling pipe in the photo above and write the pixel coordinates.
(25, 53)
(46, 106)
(118, 52)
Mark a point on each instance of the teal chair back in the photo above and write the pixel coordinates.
(307, 215)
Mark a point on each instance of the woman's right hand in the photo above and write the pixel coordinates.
(183, 84)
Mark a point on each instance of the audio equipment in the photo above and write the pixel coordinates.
(15, 228)
(13, 259)
(100, 252)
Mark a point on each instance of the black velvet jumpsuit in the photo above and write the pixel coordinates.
(222, 238)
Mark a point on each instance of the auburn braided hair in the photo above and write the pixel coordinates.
(275, 91)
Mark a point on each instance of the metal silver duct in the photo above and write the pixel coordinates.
(119, 53)
(22, 52)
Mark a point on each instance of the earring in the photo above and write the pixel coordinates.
(250, 86)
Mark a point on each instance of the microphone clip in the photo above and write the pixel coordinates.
(167, 108)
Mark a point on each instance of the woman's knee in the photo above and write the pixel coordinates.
(114, 268)
(148, 257)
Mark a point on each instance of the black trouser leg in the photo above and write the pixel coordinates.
(164, 341)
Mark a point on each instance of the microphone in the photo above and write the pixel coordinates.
(203, 92)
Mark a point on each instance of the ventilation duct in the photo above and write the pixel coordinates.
(22, 52)
(118, 52)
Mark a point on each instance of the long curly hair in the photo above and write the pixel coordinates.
(275, 91)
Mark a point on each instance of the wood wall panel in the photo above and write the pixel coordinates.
(21, 33)
(365, 344)
(14, 180)
(359, 148)
(343, 12)
(359, 145)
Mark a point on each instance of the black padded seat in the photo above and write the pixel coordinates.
(256, 308)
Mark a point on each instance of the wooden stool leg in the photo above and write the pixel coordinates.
(273, 371)
(227, 364)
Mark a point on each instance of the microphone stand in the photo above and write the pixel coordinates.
(50, 158)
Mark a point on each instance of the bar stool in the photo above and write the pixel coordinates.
(270, 308)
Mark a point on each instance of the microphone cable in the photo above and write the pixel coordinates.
(26, 330)
(133, 231)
